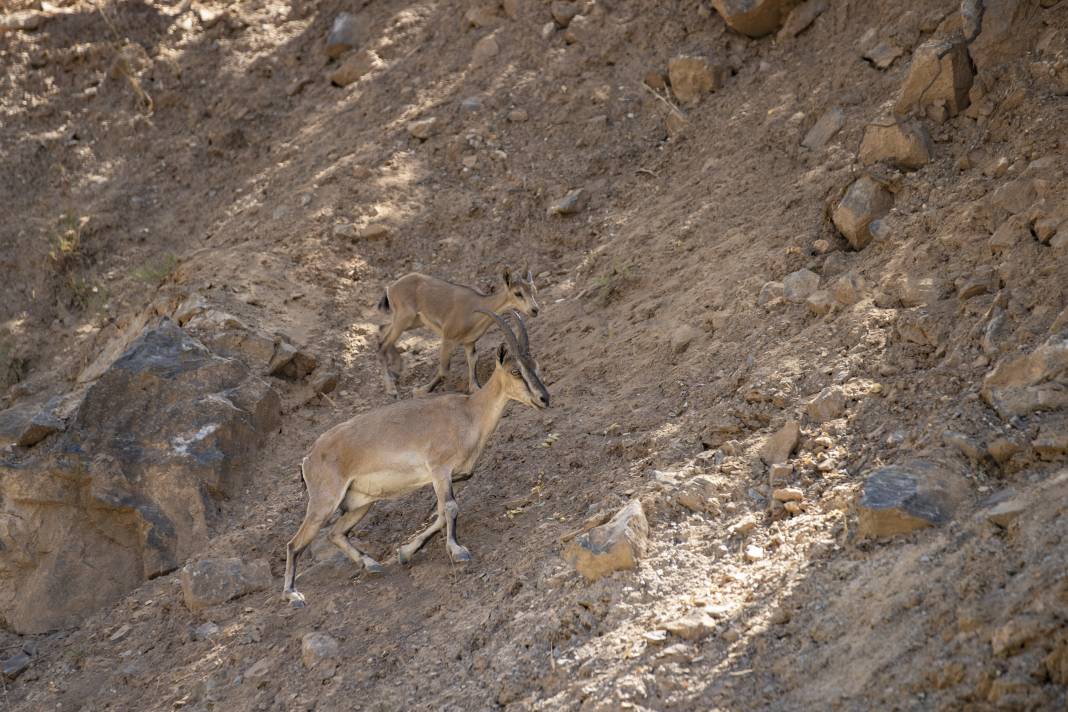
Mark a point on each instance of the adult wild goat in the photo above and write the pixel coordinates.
(389, 452)
(459, 315)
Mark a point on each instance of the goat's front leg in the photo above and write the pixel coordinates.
(447, 510)
(472, 361)
(444, 359)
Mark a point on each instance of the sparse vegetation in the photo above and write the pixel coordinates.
(66, 240)
(155, 272)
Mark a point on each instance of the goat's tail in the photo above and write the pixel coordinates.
(303, 479)
(383, 303)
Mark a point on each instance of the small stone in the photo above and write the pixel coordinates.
(983, 281)
(471, 104)
(345, 230)
(779, 473)
(423, 128)
(209, 17)
(517, 116)
(905, 144)
(864, 202)
(655, 80)
(967, 446)
(318, 649)
(1006, 512)
(21, 21)
(1052, 441)
(511, 8)
(573, 202)
(324, 382)
(745, 525)
(563, 12)
(754, 18)
(820, 302)
(996, 168)
(682, 336)
(898, 499)
(830, 123)
(259, 669)
(613, 546)
(204, 631)
(941, 72)
(770, 292)
(788, 494)
(693, 626)
(14, 666)
(547, 30)
(797, 286)
(800, 18)
(792, 507)
(754, 553)
(699, 495)
(375, 231)
(675, 123)
(692, 77)
(828, 405)
(120, 633)
(482, 16)
(883, 54)
(354, 67)
(343, 35)
(485, 50)
(210, 582)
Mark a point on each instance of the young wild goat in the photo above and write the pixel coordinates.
(389, 452)
(453, 311)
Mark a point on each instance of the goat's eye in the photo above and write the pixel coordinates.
(518, 294)
(515, 371)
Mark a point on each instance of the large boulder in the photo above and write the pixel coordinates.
(210, 582)
(755, 18)
(132, 487)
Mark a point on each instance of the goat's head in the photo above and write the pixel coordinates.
(521, 293)
(522, 380)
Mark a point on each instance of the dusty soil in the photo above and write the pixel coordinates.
(148, 155)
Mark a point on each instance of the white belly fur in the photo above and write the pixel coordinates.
(386, 484)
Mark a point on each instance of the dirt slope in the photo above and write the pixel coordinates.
(233, 181)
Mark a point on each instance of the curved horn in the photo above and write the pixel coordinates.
(508, 335)
(524, 342)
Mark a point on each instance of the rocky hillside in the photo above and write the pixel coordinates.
(804, 270)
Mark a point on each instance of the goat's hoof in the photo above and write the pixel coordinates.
(460, 555)
(295, 598)
(402, 558)
(373, 567)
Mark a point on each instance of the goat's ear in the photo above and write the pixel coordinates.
(507, 278)
(502, 353)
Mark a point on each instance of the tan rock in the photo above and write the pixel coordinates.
(1016, 196)
(778, 448)
(788, 494)
(692, 77)
(563, 12)
(343, 35)
(848, 288)
(800, 18)
(799, 285)
(485, 50)
(905, 144)
(828, 405)
(1034, 381)
(883, 54)
(211, 582)
(354, 67)
(820, 302)
(755, 18)
(693, 626)
(613, 546)
(864, 202)
(423, 128)
(941, 73)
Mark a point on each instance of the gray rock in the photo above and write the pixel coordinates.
(131, 485)
(824, 129)
(797, 286)
(1016, 196)
(344, 35)
(15, 665)
(573, 202)
(26, 425)
(210, 582)
(864, 202)
(204, 631)
(317, 649)
(898, 499)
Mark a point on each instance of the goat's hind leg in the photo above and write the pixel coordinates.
(319, 510)
(339, 536)
(387, 350)
(407, 550)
